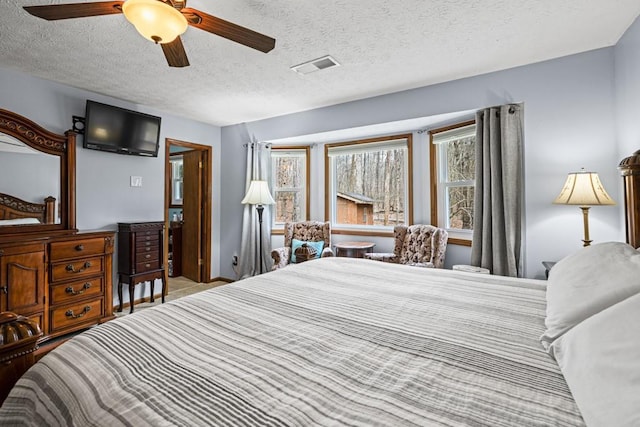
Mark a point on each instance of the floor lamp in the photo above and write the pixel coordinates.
(585, 190)
(259, 195)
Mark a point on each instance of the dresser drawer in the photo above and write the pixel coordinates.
(76, 248)
(70, 292)
(76, 268)
(76, 314)
(147, 246)
(147, 239)
(144, 256)
(141, 267)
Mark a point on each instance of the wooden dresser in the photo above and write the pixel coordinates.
(140, 257)
(80, 281)
(54, 281)
(63, 283)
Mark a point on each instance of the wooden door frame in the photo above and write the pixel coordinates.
(206, 202)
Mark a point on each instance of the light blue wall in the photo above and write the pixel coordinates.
(627, 90)
(103, 194)
(569, 123)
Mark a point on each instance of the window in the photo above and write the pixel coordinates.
(177, 170)
(368, 184)
(453, 167)
(290, 172)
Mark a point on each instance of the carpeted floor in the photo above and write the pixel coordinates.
(178, 287)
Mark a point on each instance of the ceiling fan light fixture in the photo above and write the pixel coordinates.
(155, 20)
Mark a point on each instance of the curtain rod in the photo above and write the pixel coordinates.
(267, 144)
(297, 144)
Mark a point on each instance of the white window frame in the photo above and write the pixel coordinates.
(291, 151)
(373, 144)
(439, 178)
(177, 163)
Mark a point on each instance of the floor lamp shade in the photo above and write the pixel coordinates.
(584, 189)
(259, 195)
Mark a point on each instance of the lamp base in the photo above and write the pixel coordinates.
(585, 220)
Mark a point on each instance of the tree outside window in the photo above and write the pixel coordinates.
(368, 183)
(453, 165)
(290, 184)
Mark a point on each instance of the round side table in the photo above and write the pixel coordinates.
(353, 249)
(471, 269)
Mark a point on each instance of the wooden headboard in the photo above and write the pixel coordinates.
(14, 208)
(630, 170)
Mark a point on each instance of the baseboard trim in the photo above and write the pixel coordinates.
(221, 279)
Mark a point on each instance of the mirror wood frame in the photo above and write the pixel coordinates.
(62, 146)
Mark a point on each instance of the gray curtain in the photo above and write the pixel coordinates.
(258, 168)
(497, 230)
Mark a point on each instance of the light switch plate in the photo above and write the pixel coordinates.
(136, 181)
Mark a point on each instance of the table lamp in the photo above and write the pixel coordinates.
(259, 195)
(585, 190)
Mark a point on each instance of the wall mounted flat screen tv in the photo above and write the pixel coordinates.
(115, 129)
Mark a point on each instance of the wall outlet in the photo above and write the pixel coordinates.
(234, 260)
(136, 181)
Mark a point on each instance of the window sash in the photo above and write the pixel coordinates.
(441, 142)
(361, 147)
(301, 189)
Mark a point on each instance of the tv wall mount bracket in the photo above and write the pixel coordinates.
(78, 124)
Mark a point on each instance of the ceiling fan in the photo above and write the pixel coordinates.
(161, 21)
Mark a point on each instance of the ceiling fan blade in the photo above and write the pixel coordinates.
(175, 54)
(229, 30)
(75, 10)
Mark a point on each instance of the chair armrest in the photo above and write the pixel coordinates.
(327, 252)
(281, 257)
(382, 256)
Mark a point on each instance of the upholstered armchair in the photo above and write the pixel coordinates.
(418, 245)
(307, 231)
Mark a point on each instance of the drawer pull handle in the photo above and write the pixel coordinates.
(147, 256)
(80, 248)
(71, 291)
(72, 269)
(70, 314)
(147, 265)
(5, 289)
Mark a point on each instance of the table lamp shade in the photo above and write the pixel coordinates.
(583, 189)
(258, 194)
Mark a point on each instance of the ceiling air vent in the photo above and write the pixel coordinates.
(315, 65)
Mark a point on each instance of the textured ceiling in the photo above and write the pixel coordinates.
(382, 45)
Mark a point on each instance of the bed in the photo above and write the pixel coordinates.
(15, 211)
(368, 344)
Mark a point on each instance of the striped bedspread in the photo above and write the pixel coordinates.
(334, 341)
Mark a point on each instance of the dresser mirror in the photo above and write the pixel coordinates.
(37, 177)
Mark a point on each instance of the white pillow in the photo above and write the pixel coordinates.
(600, 359)
(19, 221)
(587, 282)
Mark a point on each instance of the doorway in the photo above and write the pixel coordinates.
(187, 201)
